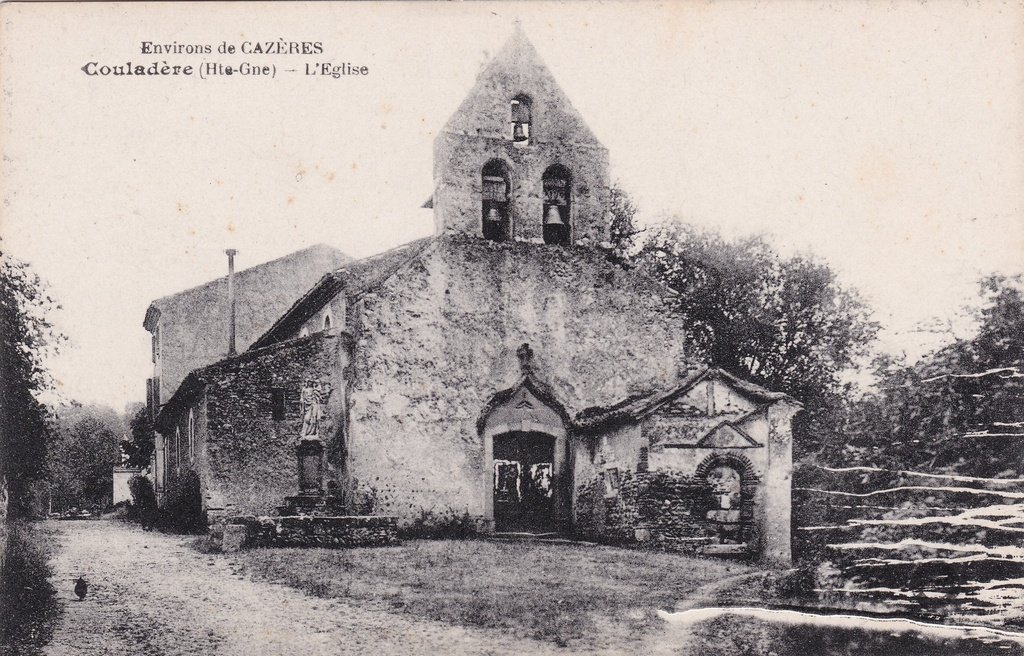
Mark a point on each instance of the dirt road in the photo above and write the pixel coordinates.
(150, 593)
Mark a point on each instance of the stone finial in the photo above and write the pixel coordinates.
(525, 355)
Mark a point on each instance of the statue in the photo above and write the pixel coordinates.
(314, 397)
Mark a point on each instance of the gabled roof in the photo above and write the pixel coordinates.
(639, 406)
(319, 252)
(197, 379)
(353, 279)
(194, 323)
(518, 68)
(536, 387)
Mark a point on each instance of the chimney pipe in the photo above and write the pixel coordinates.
(231, 300)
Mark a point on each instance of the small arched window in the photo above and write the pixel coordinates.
(191, 434)
(177, 449)
(557, 202)
(495, 201)
(522, 123)
(327, 322)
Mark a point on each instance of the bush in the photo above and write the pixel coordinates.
(143, 508)
(183, 512)
(27, 603)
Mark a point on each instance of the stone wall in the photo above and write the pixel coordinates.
(242, 532)
(121, 491)
(309, 531)
(248, 460)
(459, 186)
(439, 339)
(664, 509)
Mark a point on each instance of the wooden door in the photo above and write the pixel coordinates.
(523, 483)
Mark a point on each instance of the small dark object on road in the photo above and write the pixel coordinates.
(81, 588)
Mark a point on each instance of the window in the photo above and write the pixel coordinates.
(191, 434)
(277, 404)
(156, 344)
(522, 114)
(557, 201)
(177, 449)
(495, 201)
(327, 321)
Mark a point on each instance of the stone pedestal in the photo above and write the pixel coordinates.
(310, 452)
(312, 518)
(319, 505)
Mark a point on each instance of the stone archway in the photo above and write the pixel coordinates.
(731, 485)
(526, 465)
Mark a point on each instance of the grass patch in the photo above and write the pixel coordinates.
(204, 544)
(746, 636)
(593, 596)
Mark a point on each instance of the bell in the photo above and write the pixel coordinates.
(518, 133)
(493, 215)
(553, 216)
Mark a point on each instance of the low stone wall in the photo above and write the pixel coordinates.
(306, 531)
(664, 509)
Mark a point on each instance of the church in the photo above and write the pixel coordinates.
(508, 369)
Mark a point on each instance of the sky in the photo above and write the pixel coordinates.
(884, 138)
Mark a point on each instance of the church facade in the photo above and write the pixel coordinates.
(508, 369)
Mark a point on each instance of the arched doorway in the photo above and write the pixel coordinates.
(730, 485)
(527, 477)
(524, 492)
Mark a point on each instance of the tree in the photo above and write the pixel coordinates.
(142, 445)
(623, 230)
(84, 450)
(27, 339)
(785, 323)
(958, 407)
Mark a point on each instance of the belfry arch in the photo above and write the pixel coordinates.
(495, 206)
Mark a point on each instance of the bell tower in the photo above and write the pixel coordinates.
(516, 160)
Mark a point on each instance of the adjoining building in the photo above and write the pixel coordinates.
(193, 328)
(508, 368)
